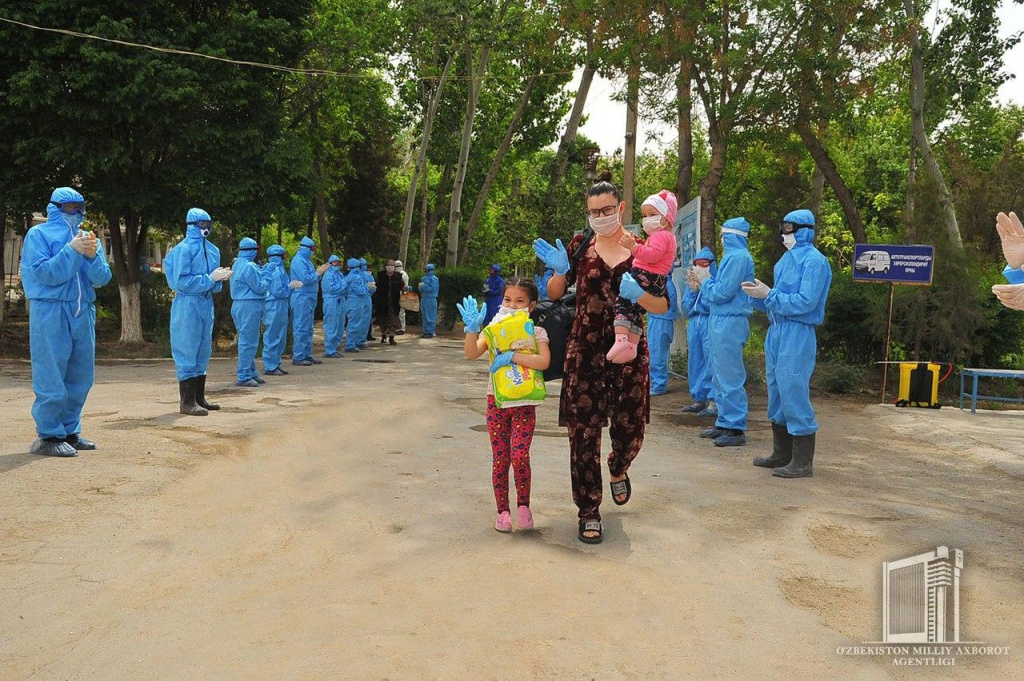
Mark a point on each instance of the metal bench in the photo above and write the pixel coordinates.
(975, 374)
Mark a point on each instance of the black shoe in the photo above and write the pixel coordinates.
(713, 433)
(731, 438)
(315, 360)
(276, 372)
(52, 446)
(427, 335)
(383, 340)
(369, 337)
(803, 459)
(201, 394)
(187, 394)
(400, 332)
(391, 341)
(782, 449)
(80, 443)
(695, 408)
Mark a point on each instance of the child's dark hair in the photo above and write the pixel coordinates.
(604, 186)
(527, 285)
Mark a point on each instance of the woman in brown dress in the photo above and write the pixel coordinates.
(386, 301)
(595, 392)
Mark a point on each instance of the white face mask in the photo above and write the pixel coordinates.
(605, 225)
(502, 313)
(789, 240)
(389, 269)
(652, 224)
(701, 269)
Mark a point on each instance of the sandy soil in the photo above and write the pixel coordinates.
(338, 523)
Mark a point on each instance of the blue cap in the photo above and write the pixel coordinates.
(65, 195)
(352, 263)
(362, 262)
(334, 258)
(802, 217)
(196, 215)
(430, 267)
(307, 242)
(276, 249)
(496, 267)
(739, 224)
(247, 243)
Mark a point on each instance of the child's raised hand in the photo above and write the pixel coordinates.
(472, 314)
(628, 241)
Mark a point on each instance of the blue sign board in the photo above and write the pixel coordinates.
(882, 263)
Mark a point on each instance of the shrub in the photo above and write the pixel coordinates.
(839, 378)
(456, 283)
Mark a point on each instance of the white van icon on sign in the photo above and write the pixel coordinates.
(873, 262)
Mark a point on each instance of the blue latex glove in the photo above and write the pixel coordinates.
(554, 257)
(502, 360)
(629, 289)
(472, 314)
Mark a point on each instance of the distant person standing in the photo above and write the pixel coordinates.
(698, 344)
(494, 292)
(275, 311)
(387, 301)
(248, 295)
(335, 288)
(401, 311)
(61, 268)
(430, 287)
(304, 302)
(357, 291)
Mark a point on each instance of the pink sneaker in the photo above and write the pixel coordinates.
(627, 354)
(620, 345)
(504, 522)
(525, 518)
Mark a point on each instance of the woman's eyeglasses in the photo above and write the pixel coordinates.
(603, 212)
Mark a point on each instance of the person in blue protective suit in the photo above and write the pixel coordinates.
(275, 310)
(304, 302)
(430, 286)
(542, 282)
(193, 271)
(248, 293)
(795, 305)
(494, 292)
(61, 267)
(698, 355)
(366, 304)
(356, 292)
(728, 332)
(335, 287)
(660, 331)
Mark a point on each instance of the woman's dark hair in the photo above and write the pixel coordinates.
(527, 285)
(604, 186)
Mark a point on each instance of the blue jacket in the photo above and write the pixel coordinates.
(303, 270)
(249, 281)
(277, 280)
(369, 279)
(430, 285)
(495, 287)
(693, 303)
(356, 283)
(724, 293)
(335, 283)
(803, 277)
(52, 270)
(188, 265)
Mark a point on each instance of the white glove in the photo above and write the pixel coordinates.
(1011, 233)
(221, 273)
(1010, 295)
(80, 243)
(323, 268)
(701, 274)
(294, 284)
(758, 289)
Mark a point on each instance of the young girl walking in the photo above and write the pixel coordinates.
(510, 428)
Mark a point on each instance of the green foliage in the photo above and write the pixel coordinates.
(839, 377)
(455, 284)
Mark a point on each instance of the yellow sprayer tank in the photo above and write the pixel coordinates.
(919, 384)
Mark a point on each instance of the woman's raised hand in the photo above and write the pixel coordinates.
(554, 257)
(472, 315)
(1011, 233)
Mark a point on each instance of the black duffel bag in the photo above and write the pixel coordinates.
(556, 316)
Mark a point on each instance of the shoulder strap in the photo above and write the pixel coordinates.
(588, 236)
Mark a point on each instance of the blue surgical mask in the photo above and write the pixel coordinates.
(74, 220)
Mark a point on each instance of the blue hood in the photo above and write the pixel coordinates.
(800, 217)
(306, 247)
(61, 195)
(707, 253)
(333, 259)
(193, 216)
(247, 249)
(352, 263)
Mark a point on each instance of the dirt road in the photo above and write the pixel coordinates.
(337, 523)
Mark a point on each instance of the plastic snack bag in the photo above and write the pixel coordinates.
(515, 385)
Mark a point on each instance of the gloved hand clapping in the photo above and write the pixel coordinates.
(502, 360)
(554, 257)
(701, 274)
(323, 268)
(629, 288)
(294, 284)
(1010, 295)
(221, 274)
(472, 314)
(1011, 233)
(80, 243)
(691, 280)
(756, 289)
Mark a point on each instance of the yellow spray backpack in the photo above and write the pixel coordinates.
(515, 385)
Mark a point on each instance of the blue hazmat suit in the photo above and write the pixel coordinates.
(187, 268)
(795, 305)
(356, 292)
(335, 287)
(494, 293)
(698, 342)
(275, 308)
(61, 285)
(303, 300)
(430, 286)
(729, 326)
(248, 287)
(366, 303)
(660, 331)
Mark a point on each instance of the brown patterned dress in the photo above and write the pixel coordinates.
(595, 392)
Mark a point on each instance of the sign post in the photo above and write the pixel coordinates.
(687, 231)
(892, 264)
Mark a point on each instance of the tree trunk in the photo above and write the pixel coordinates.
(571, 128)
(492, 172)
(684, 102)
(430, 223)
(421, 161)
(825, 164)
(455, 213)
(908, 217)
(712, 182)
(919, 132)
(126, 250)
(817, 191)
(629, 159)
(319, 202)
(3, 262)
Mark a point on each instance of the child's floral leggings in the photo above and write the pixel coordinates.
(511, 432)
